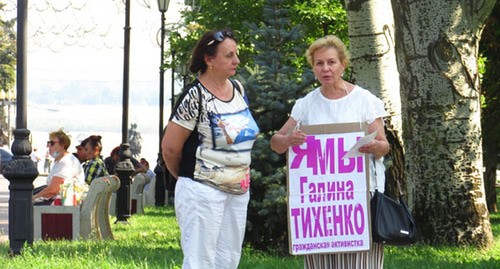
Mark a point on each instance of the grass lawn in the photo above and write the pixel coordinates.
(151, 240)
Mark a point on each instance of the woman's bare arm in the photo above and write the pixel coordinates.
(285, 137)
(379, 147)
(172, 145)
(51, 190)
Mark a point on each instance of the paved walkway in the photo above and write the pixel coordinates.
(4, 205)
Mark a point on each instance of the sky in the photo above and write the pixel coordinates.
(83, 40)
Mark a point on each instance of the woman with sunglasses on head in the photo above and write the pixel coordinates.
(206, 147)
(66, 167)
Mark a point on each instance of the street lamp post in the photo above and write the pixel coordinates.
(160, 184)
(124, 168)
(21, 171)
(163, 7)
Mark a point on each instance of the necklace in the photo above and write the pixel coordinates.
(335, 94)
(217, 86)
(345, 88)
(221, 91)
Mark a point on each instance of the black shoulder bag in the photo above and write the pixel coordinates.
(392, 222)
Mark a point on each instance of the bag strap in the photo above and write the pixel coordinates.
(236, 84)
(239, 87)
(200, 108)
(375, 170)
(398, 182)
(400, 190)
(195, 83)
(185, 91)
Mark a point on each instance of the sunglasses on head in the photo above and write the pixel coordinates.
(220, 36)
(51, 143)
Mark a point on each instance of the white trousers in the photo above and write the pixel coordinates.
(212, 225)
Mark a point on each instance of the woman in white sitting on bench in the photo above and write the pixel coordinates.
(66, 167)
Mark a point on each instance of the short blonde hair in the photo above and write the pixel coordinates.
(64, 139)
(329, 41)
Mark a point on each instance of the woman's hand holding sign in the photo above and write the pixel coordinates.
(288, 136)
(379, 146)
(297, 137)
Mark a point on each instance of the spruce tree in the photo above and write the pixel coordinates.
(272, 83)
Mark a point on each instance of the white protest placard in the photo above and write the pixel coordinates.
(328, 196)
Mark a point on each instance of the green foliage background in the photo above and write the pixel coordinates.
(7, 53)
(273, 36)
(8, 58)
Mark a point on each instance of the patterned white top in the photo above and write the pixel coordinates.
(226, 133)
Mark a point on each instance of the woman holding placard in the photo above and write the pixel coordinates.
(338, 101)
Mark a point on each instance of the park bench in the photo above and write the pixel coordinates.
(136, 195)
(137, 190)
(148, 195)
(90, 220)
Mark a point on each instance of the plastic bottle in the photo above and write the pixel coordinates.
(70, 198)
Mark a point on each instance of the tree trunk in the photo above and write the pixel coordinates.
(374, 67)
(437, 50)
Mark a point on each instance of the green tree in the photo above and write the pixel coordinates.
(274, 72)
(320, 18)
(208, 15)
(273, 84)
(8, 54)
(437, 65)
